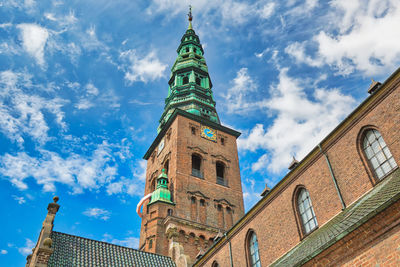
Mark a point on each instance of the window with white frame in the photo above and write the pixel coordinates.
(306, 211)
(253, 251)
(378, 154)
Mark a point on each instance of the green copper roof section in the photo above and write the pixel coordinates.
(190, 84)
(161, 193)
(76, 251)
(375, 201)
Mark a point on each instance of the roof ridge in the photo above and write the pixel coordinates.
(145, 252)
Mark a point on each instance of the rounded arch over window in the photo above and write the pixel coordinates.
(304, 211)
(215, 264)
(252, 252)
(376, 152)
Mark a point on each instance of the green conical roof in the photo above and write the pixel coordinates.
(190, 84)
(161, 193)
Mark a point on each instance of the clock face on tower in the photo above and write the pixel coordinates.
(208, 133)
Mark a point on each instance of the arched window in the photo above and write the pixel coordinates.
(187, 49)
(185, 80)
(306, 211)
(220, 169)
(166, 166)
(378, 154)
(253, 256)
(215, 264)
(196, 166)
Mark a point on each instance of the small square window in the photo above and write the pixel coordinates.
(193, 130)
(222, 141)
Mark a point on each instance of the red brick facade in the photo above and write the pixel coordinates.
(203, 208)
(276, 221)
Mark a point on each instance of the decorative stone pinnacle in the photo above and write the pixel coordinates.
(55, 199)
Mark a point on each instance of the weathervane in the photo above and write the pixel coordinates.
(190, 13)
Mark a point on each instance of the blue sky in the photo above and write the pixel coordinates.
(82, 87)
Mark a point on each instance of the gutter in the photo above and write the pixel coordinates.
(230, 249)
(333, 177)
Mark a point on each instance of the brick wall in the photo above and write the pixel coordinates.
(197, 221)
(276, 222)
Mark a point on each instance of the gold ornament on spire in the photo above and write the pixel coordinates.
(190, 17)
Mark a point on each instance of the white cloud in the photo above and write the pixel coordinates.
(34, 40)
(97, 213)
(365, 39)
(300, 122)
(20, 200)
(227, 12)
(27, 249)
(24, 113)
(145, 69)
(84, 104)
(130, 186)
(77, 171)
(3, 251)
(130, 242)
(238, 97)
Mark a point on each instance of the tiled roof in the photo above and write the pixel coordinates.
(75, 251)
(379, 198)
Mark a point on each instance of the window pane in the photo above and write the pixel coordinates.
(381, 142)
(392, 163)
(375, 147)
(379, 172)
(387, 152)
(386, 167)
(381, 157)
(369, 152)
(370, 136)
(374, 163)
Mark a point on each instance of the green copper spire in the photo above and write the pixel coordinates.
(190, 84)
(161, 193)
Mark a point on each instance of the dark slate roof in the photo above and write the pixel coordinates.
(375, 201)
(76, 251)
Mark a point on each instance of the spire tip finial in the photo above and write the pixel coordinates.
(190, 17)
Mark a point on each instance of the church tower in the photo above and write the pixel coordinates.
(193, 191)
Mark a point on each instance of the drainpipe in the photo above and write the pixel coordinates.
(230, 249)
(333, 177)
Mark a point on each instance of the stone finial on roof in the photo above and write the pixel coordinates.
(265, 191)
(293, 164)
(374, 86)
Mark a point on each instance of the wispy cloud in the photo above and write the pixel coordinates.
(25, 113)
(77, 171)
(27, 248)
(20, 200)
(3, 251)
(97, 213)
